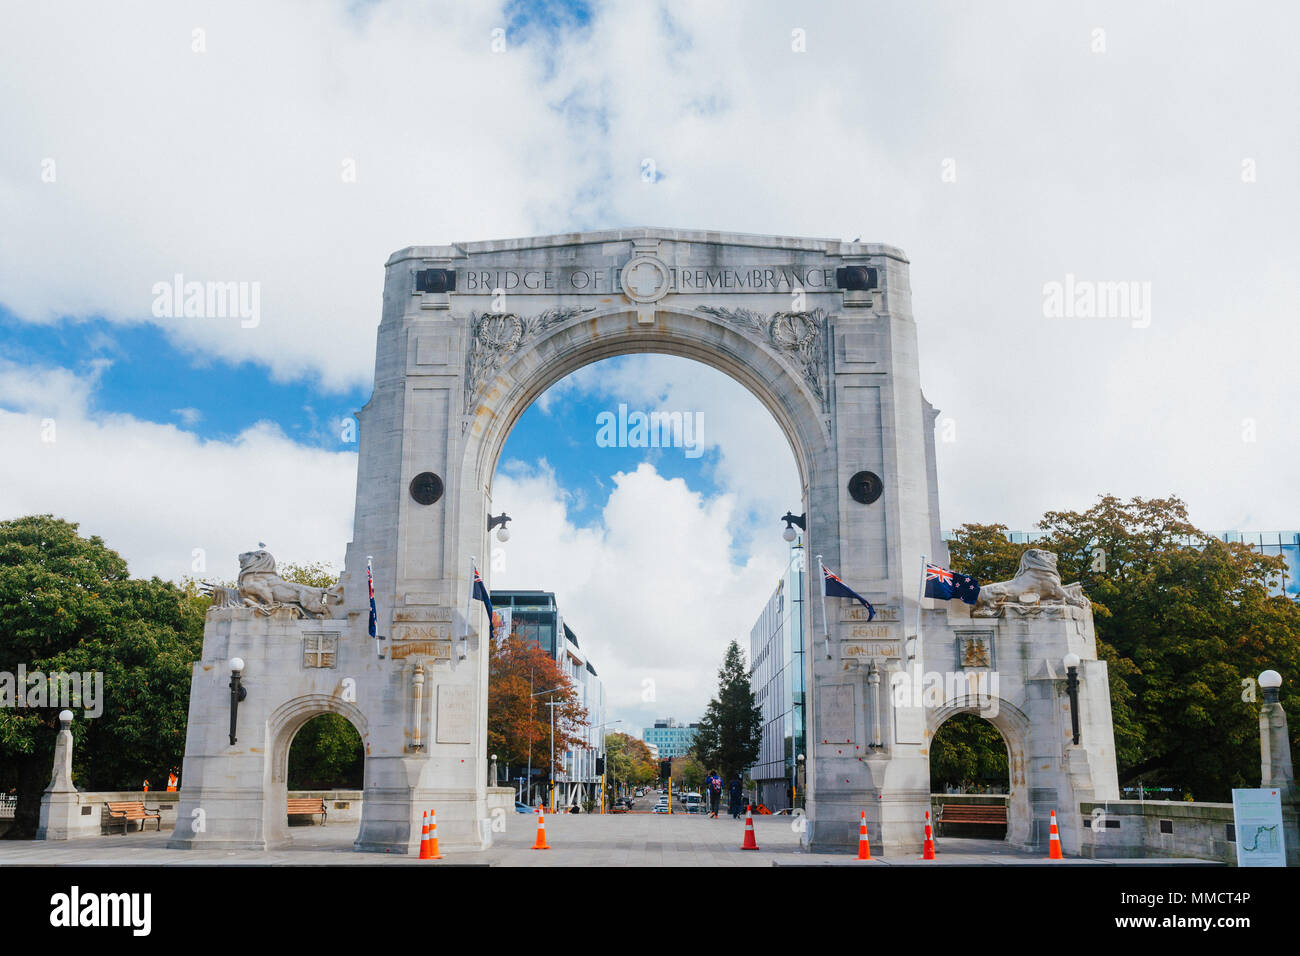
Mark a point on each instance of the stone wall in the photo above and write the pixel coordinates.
(1169, 828)
(87, 816)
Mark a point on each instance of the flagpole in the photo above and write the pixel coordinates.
(826, 628)
(920, 597)
(469, 604)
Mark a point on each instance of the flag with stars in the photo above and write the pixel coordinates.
(481, 592)
(837, 588)
(944, 584)
(374, 615)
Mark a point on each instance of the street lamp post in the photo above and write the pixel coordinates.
(553, 704)
(1072, 688)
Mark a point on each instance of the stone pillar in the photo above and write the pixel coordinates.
(60, 805)
(1274, 743)
(1275, 767)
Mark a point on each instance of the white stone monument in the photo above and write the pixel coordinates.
(821, 332)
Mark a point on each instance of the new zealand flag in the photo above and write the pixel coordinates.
(944, 584)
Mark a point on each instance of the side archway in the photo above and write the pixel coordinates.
(282, 726)
(1013, 725)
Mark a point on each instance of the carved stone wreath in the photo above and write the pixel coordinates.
(798, 335)
(496, 336)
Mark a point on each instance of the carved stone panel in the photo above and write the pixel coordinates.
(455, 714)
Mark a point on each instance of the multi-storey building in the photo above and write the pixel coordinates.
(776, 653)
(670, 738)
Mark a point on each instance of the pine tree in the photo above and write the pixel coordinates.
(731, 730)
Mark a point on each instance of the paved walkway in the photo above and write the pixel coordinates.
(634, 839)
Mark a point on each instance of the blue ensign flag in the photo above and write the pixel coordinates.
(374, 615)
(837, 588)
(944, 584)
(481, 593)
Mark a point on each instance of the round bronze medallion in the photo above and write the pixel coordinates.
(426, 488)
(865, 487)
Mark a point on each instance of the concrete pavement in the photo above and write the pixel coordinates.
(635, 839)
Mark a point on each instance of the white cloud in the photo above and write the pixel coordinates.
(155, 493)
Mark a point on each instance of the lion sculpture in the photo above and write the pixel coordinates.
(260, 586)
(1037, 582)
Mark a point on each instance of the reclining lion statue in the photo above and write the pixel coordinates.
(1037, 582)
(260, 586)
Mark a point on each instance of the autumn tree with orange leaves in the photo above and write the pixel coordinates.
(519, 722)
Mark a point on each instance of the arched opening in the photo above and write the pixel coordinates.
(324, 781)
(645, 492)
(969, 777)
(319, 747)
(326, 754)
(977, 771)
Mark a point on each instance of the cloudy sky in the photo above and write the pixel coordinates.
(1003, 146)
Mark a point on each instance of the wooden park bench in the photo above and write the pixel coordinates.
(992, 814)
(125, 813)
(307, 805)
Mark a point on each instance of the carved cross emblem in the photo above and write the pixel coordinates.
(644, 279)
(318, 650)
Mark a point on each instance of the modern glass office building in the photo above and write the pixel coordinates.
(1276, 543)
(535, 617)
(670, 738)
(776, 653)
(530, 614)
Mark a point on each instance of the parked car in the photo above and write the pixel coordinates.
(523, 808)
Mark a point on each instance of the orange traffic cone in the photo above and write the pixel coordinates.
(750, 843)
(929, 839)
(432, 852)
(864, 844)
(541, 843)
(1054, 844)
(424, 837)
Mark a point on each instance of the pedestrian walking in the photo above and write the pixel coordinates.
(737, 798)
(714, 783)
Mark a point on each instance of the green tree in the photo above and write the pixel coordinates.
(688, 773)
(1184, 621)
(68, 605)
(317, 574)
(967, 750)
(731, 732)
(327, 754)
(627, 763)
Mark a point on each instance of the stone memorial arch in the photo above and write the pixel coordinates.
(821, 332)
